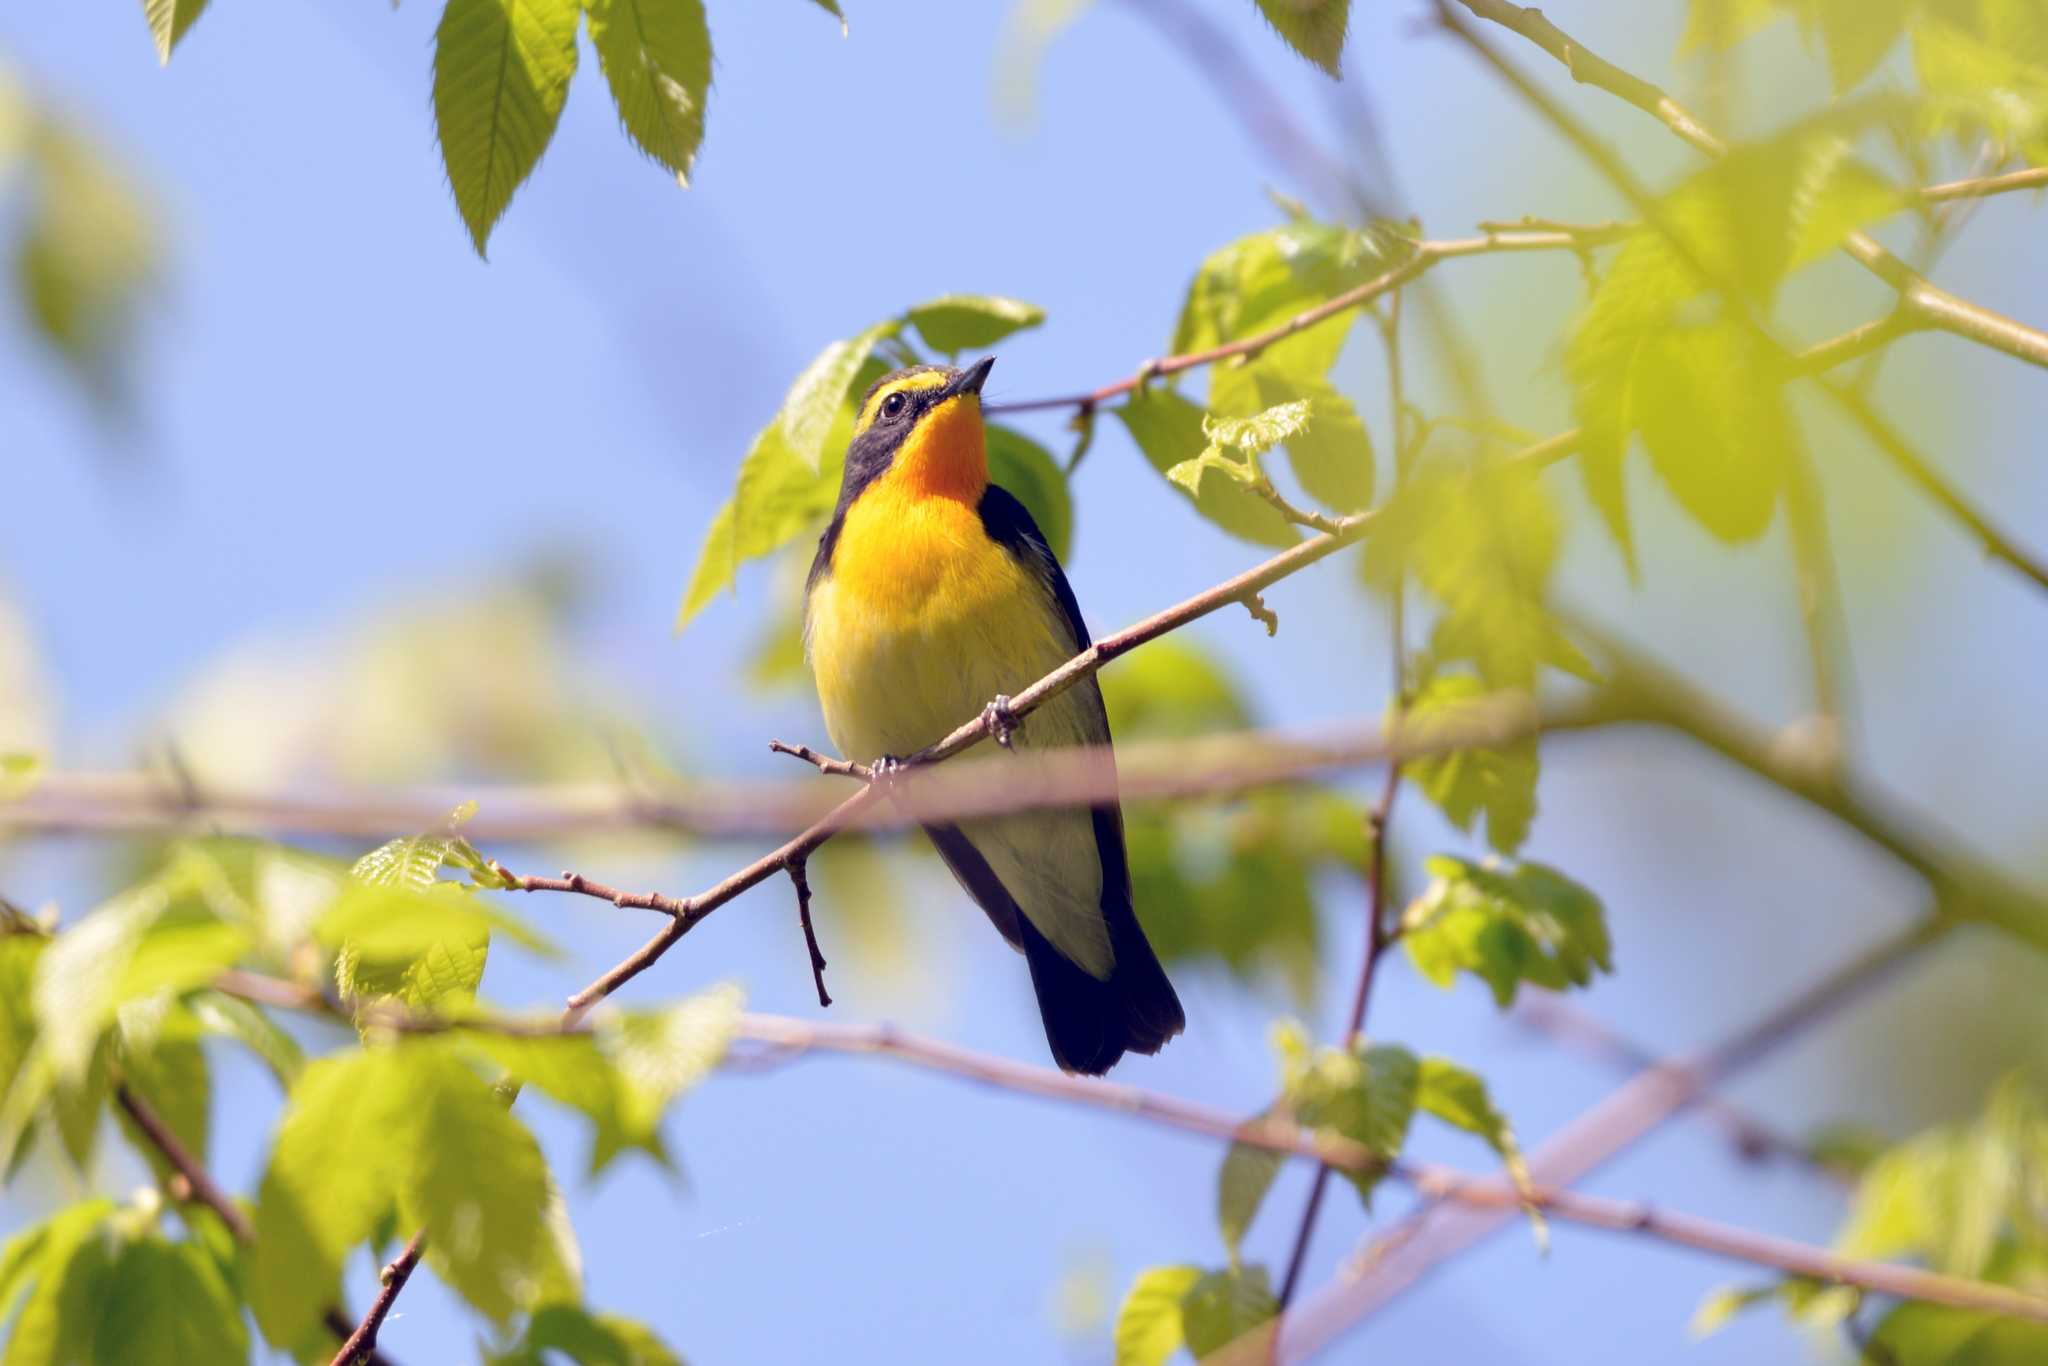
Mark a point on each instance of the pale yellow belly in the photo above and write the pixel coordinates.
(897, 671)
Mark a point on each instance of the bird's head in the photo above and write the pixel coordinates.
(921, 429)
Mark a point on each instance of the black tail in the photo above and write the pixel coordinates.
(1092, 1023)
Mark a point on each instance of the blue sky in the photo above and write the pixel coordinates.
(341, 408)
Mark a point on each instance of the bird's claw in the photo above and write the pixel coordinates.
(1002, 723)
(887, 769)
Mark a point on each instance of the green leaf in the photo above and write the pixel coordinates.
(1721, 1305)
(1223, 1308)
(815, 400)
(573, 1070)
(1367, 1094)
(1258, 282)
(1499, 783)
(501, 74)
(1986, 74)
(1483, 542)
(1027, 469)
(657, 59)
(587, 1339)
(58, 1271)
(659, 1054)
(831, 7)
(1855, 34)
(1459, 1098)
(1148, 1324)
(1194, 476)
(717, 563)
(971, 322)
(19, 956)
(1241, 1187)
(168, 20)
(1314, 28)
(167, 1303)
(1717, 25)
(1529, 924)
(478, 1185)
(1171, 690)
(1168, 430)
(347, 1138)
(234, 1018)
(1915, 1334)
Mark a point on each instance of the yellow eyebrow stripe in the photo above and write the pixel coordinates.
(923, 379)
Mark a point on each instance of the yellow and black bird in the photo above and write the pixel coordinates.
(934, 592)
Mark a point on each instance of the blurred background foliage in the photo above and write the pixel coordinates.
(505, 664)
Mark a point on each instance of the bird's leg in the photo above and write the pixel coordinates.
(887, 769)
(1002, 723)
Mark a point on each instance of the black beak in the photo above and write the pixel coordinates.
(974, 376)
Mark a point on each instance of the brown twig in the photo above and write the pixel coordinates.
(362, 1343)
(1978, 187)
(799, 880)
(195, 1183)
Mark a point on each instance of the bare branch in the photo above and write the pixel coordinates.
(362, 1344)
(1978, 187)
(802, 883)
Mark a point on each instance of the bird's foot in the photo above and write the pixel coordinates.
(1002, 723)
(887, 769)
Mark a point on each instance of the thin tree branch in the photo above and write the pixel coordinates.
(1434, 1234)
(1978, 187)
(1931, 305)
(195, 1183)
(1485, 1196)
(362, 1344)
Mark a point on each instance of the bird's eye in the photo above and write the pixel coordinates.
(894, 404)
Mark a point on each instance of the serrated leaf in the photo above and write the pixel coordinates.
(1459, 1098)
(1498, 782)
(168, 20)
(1258, 282)
(1210, 470)
(1314, 28)
(1027, 470)
(501, 74)
(345, 1141)
(1529, 924)
(656, 57)
(1223, 1314)
(478, 1185)
(1248, 1173)
(971, 322)
(1856, 35)
(1168, 431)
(1365, 1093)
(1148, 1323)
(1332, 454)
(1259, 432)
(165, 1304)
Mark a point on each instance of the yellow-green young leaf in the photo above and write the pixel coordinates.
(1173, 689)
(395, 924)
(57, 1272)
(1027, 469)
(831, 7)
(1259, 282)
(234, 1018)
(1482, 541)
(18, 775)
(1241, 1187)
(86, 258)
(816, 399)
(1224, 1312)
(168, 20)
(1261, 431)
(1717, 25)
(971, 322)
(1986, 73)
(348, 1135)
(1366, 1094)
(166, 1304)
(718, 562)
(656, 56)
(1168, 430)
(1721, 1305)
(1499, 783)
(587, 1339)
(1314, 28)
(19, 954)
(659, 1054)
(1925, 1334)
(501, 73)
(1196, 476)
(1529, 924)
(1332, 454)
(409, 861)
(1718, 427)
(477, 1184)
(1855, 34)
(1148, 1324)
(572, 1070)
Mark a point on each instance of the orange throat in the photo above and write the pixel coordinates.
(945, 457)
